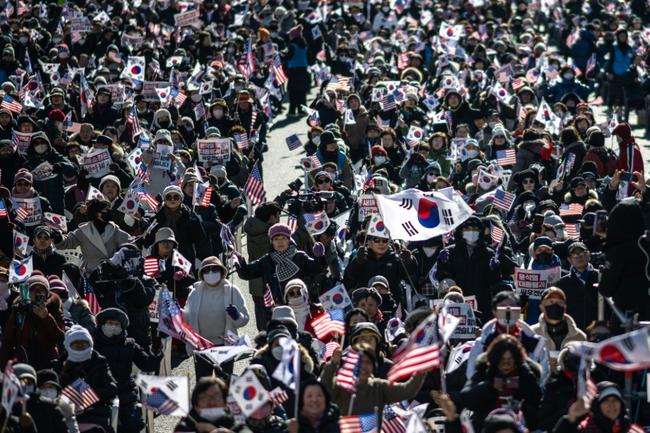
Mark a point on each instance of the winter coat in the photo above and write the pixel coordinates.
(257, 244)
(8, 168)
(96, 373)
(329, 423)
(355, 134)
(528, 153)
(412, 170)
(179, 288)
(47, 415)
(187, 424)
(582, 298)
(480, 396)
(159, 178)
(573, 333)
(370, 394)
(188, 231)
(264, 267)
(122, 353)
(50, 263)
(629, 154)
(51, 188)
(605, 163)
(359, 272)
(559, 395)
(624, 275)
(231, 295)
(578, 149)
(95, 247)
(36, 340)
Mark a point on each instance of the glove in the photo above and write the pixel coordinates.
(232, 311)
(494, 263)
(405, 255)
(114, 167)
(56, 236)
(361, 255)
(238, 260)
(178, 275)
(318, 249)
(444, 256)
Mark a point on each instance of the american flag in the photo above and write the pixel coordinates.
(506, 157)
(592, 390)
(170, 314)
(330, 322)
(388, 102)
(268, 297)
(293, 142)
(9, 103)
(142, 171)
(572, 231)
(254, 186)
(348, 375)
(246, 64)
(338, 83)
(573, 209)
(314, 118)
(146, 197)
(292, 222)
(517, 83)
(151, 266)
(21, 213)
(392, 422)
(3, 209)
(159, 401)
(328, 350)
(278, 396)
(81, 394)
(91, 298)
(497, 234)
(591, 64)
(365, 423)
(402, 60)
(132, 118)
(227, 237)
(503, 199)
(280, 76)
(241, 140)
(418, 360)
(177, 97)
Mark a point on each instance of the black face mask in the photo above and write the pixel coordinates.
(544, 258)
(164, 124)
(554, 312)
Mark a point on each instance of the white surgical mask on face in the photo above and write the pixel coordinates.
(431, 178)
(295, 302)
(24, 40)
(379, 160)
(316, 140)
(471, 237)
(80, 355)
(212, 413)
(277, 352)
(49, 393)
(196, 97)
(111, 330)
(217, 114)
(472, 153)
(40, 148)
(212, 278)
(429, 251)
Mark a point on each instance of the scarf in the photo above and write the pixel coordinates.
(172, 217)
(284, 267)
(29, 194)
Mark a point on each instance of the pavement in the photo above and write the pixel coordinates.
(279, 168)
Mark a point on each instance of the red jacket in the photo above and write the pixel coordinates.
(628, 150)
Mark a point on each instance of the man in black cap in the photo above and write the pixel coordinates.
(44, 257)
(579, 286)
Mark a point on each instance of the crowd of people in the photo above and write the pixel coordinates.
(132, 146)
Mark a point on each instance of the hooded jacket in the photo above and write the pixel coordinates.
(629, 154)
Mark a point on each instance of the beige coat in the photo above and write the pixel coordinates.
(573, 334)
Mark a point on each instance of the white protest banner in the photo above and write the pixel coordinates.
(187, 18)
(97, 163)
(532, 282)
(22, 139)
(367, 206)
(176, 388)
(469, 300)
(466, 328)
(214, 150)
(149, 90)
(43, 171)
(31, 209)
(80, 24)
(221, 354)
(135, 41)
(414, 215)
(160, 157)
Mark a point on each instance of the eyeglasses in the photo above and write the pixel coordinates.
(579, 253)
(379, 240)
(527, 181)
(323, 180)
(172, 197)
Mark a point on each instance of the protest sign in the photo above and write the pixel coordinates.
(532, 283)
(367, 206)
(30, 208)
(187, 18)
(43, 171)
(214, 150)
(160, 157)
(97, 163)
(149, 90)
(22, 139)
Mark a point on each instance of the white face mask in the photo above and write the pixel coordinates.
(217, 114)
(316, 140)
(49, 393)
(567, 76)
(379, 160)
(471, 237)
(111, 330)
(212, 413)
(212, 278)
(24, 40)
(40, 148)
(429, 251)
(196, 97)
(295, 302)
(431, 178)
(66, 308)
(80, 355)
(472, 153)
(277, 352)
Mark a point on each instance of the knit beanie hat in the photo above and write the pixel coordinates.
(77, 333)
(111, 178)
(172, 189)
(23, 174)
(279, 229)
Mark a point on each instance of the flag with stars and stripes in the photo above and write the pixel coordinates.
(172, 322)
(160, 402)
(81, 394)
(254, 186)
(497, 234)
(280, 76)
(241, 139)
(9, 103)
(365, 423)
(573, 209)
(348, 375)
(330, 322)
(506, 157)
(503, 199)
(151, 266)
(3, 209)
(392, 423)
(268, 297)
(91, 298)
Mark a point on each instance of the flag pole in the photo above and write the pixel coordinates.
(376, 408)
(351, 405)
(297, 384)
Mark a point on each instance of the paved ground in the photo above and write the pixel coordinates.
(279, 170)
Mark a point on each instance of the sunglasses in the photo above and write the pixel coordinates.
(172, 197)
(323, 180)
(527, 181)
(379, 240)
(46, 237)
(211, 269)
(293, 293)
